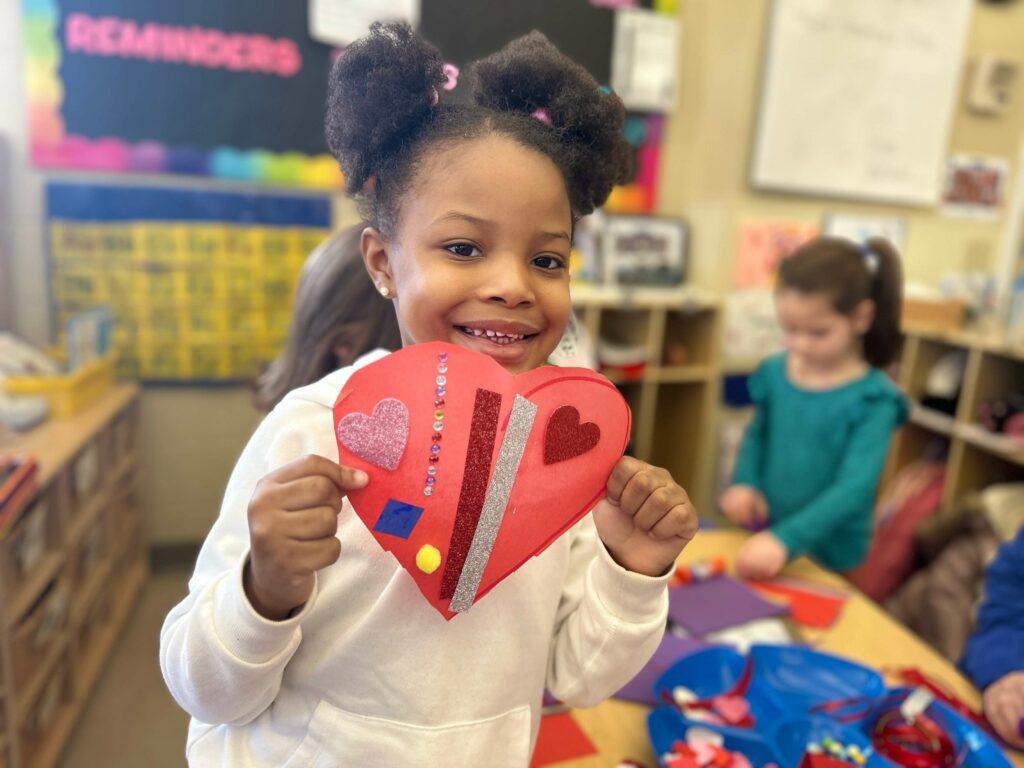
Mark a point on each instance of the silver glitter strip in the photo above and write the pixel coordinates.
(498, 491)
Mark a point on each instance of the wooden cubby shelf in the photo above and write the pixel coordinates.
(675, 399)
(976, 457)
(71, 568)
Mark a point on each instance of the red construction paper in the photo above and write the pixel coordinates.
(560, 739)
(810, 605)
(545, 500)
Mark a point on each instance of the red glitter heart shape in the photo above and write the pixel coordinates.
(454, 444)
(566, 438)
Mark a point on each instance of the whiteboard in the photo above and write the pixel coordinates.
(857, 97)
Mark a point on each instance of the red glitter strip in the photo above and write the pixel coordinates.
(482, 432)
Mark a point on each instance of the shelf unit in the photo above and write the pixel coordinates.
(976, 457)
(675, 401)
(71, 568)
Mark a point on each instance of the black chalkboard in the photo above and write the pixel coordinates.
(137, 99)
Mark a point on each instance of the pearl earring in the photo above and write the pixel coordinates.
(384, 291)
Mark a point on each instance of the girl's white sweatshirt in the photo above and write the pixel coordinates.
(369, 675)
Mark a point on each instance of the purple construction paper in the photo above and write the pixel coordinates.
(641, 688)
(717, 603)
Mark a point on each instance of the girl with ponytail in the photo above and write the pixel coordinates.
(286, 654)
(810, 461)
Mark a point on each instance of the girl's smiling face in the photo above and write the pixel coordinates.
(480, 255)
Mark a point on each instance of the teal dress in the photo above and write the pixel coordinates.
(817, 455)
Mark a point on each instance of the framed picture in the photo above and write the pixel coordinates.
(644, 250)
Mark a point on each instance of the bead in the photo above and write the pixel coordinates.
(435, 448)
(436, 438)
(431, 480)
(441, 392)
(438, 415)
(438, 426)
(431, 470)
(441, 380)
(442, 368)
(428, 559)
(428, 491)
(435, 458)
(439, 403)
(443, 357)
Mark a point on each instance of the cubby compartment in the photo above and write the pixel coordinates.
(689, 339)
(30, 553)
(1000, 379)
(88, 637)
(624, 344)
(632, 392)
(927, 353)
(678, 442)
(979, 468)
(34, 637)
(43, 713)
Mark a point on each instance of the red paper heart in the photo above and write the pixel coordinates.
(474, 397)
(565, 438)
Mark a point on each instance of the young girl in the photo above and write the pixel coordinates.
(810, 461)
(286, 654)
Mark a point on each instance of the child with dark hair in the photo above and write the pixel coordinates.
(809, 463)
(286, 655)
(338, 317)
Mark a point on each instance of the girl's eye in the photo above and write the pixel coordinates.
(465, 250)
(549, 262)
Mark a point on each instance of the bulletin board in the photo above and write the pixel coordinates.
(857, 97)
(200, 283)
(232, 88)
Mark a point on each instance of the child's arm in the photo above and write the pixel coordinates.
(221, 659)
(743, 503)
(854, 488)
(611, 619)
(994, 657)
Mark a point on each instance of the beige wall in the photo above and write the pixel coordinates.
(704, 165)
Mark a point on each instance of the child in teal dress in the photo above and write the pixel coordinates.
(809, 464)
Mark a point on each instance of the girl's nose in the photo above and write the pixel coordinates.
(508, 282)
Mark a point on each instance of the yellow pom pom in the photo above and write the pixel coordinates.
(428, 558)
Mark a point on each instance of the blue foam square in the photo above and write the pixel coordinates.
(398, 519)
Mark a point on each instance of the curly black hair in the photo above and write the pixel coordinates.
(383, 112)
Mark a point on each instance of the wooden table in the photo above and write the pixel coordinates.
(864, 633)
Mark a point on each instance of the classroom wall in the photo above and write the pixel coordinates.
(708, 140)
(190, 437)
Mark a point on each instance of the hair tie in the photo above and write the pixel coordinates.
(542, 115)
(871, 260)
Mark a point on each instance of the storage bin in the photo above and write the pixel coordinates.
(69, 393)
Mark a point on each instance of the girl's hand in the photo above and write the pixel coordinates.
(745, 506)
(1004, 707)
(761, 557)
(645, 519)
(293, 519)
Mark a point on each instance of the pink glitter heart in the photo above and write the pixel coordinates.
(379, 439)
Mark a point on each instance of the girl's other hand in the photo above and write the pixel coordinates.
(745, 506)
(293, 519)
(761, 557)
(1004, 707)
(645, 519)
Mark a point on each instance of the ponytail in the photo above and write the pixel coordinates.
(881, 342)
(848, 274)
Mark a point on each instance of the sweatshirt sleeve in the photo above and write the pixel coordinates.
(610, 622)
(747, 470)
(221, 660)
(996, 647)
(855, 484)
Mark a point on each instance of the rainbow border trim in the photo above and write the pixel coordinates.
(51, 146)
